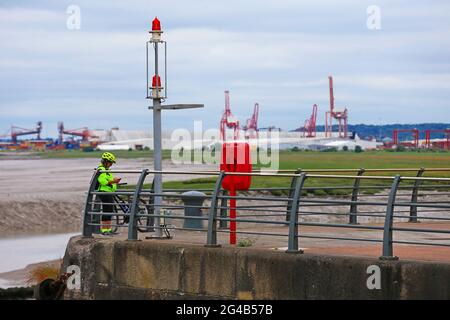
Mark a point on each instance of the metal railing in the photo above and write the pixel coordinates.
(307, 199)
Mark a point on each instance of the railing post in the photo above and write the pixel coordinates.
(414, 196)
(293, 222)
(223, 211)
(151, 210)
(132, 225)
(388, 253)
(211, 240)
(354, 207)
(291, 193)
(87, 218)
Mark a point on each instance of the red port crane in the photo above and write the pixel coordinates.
(415, 134)
(17, 131)
(341, 116)
(309, 129)
(228, 120)
(84, 132)
(443, 144)
(251, 127)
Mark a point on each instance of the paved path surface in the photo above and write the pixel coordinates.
(328, 246)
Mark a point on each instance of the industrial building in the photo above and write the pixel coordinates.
(305, 137)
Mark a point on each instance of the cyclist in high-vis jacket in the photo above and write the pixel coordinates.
(107, 183)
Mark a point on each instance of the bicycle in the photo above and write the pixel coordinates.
(144, 223)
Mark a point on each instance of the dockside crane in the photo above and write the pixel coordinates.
(443, 144)
(228, 120)
(251, 126)
(341, 116)
(415, 137)
(84, 133)
(309, 128)
(17, 131)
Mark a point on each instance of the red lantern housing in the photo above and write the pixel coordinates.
(154, 85)
(156, 25)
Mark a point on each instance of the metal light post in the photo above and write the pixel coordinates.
(157, 93)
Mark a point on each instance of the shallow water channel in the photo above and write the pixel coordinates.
(18, 252)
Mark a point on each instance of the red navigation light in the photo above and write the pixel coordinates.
(154, 81)
(156, 25)
(236, 158)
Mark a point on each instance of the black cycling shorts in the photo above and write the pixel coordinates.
(107, 205)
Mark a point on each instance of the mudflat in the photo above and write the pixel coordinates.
(47, 195)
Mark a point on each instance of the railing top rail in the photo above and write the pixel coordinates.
(120, 171)
(164, 172)
(212, 173)
(357, 169)
(285, 171)
(274, 174)
(376, 177)
(425, 178)
(332, 176)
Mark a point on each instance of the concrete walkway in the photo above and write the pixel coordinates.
(328, 246)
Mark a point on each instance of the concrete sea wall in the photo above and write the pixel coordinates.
(120, 269)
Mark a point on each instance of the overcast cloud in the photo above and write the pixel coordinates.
(277, 53)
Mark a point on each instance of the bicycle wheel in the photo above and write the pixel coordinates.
(116, 221)
(122, 207)
(145, 224)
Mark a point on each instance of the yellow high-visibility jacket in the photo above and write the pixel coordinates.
(103, 180)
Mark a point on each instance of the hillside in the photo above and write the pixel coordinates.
(383, 131)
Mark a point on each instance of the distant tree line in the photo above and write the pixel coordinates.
(380, 132)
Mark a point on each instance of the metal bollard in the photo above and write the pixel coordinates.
(193, 199)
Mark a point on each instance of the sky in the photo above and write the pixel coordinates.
(389, 66)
